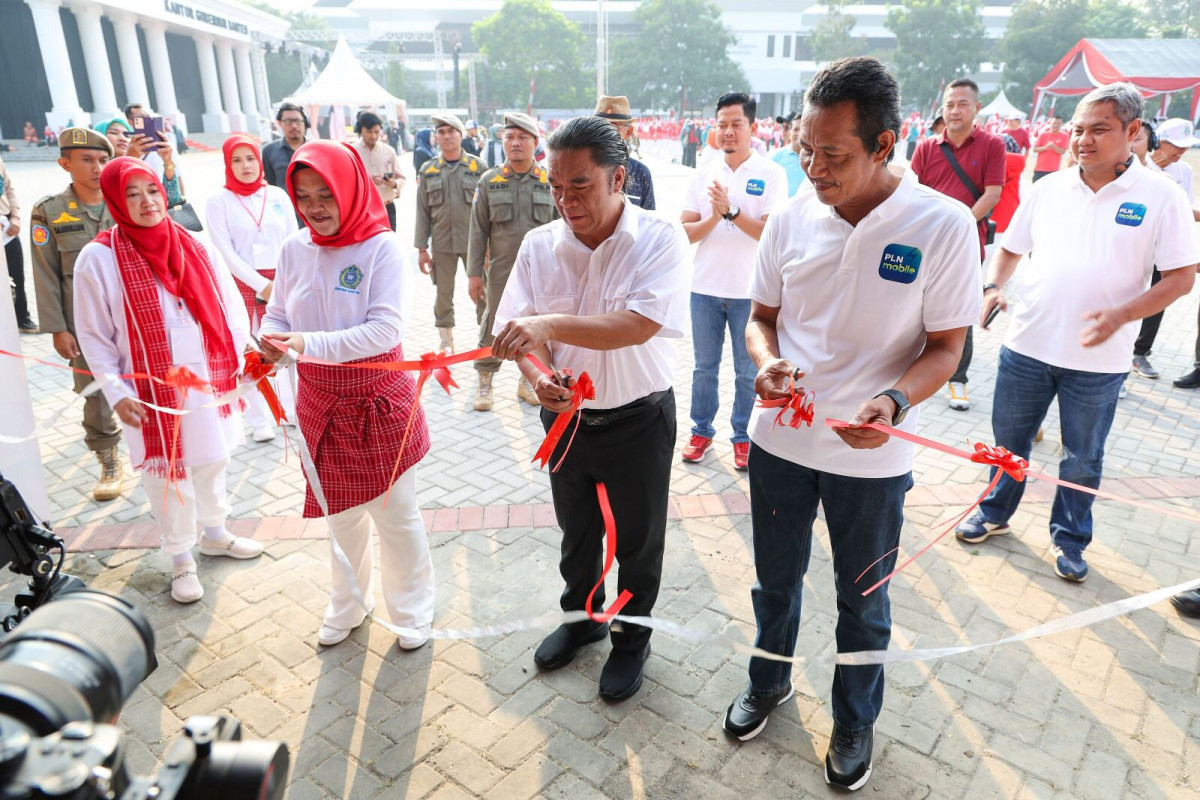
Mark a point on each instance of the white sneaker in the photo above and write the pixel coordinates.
(329, 635)
(264, 433)
(185, 584)
(230, 546)
(412, 642)
(959, 400)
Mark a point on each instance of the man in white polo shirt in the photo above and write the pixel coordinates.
(863, 299)
(1092, 235)
(726, 207)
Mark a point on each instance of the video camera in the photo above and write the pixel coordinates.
(66, 673)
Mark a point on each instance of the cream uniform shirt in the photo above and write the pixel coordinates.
(249, 231)
(100, 327)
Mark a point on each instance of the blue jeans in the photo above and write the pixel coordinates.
(710, 316)
(1087, 402)
(864, 516)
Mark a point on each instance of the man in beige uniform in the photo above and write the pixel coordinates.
(444, 194)
(512, 199)
(380, 160)
(60, 225)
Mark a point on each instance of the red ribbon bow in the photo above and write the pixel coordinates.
(799, 403)
(582, 389)
(1012, 464)
(258, 369)
(610, 551)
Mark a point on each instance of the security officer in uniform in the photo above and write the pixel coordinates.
(444, 196)
(511, 200)
(60, 225)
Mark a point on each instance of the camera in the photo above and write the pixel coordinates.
(69, 661)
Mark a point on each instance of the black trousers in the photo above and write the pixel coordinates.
(16, 270)
(1037, 176)
(391, 212)
(1145, 339)
(632, 457)
(964, 363)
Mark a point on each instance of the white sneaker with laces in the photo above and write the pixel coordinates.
(959, 400)
(264, 433)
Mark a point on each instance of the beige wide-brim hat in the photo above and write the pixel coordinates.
(614, 109)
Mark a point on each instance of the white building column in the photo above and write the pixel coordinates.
(160, 71)
(57, 63)
(95, 57)
(130, 53)
(229, 87)
(215, 120)
(261, 90)
(245, 81)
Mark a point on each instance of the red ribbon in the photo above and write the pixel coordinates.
(582, 389)
(432, 365)
(610, 552)
(182, 380)
(258, 369)
(799, 403)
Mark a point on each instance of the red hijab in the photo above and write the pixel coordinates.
(360, 207)
(231, 181)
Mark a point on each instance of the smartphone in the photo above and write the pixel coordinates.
(387, 176)
(151, 127)
(995, 312)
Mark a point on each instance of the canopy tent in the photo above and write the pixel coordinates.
(1002, 106)
(1156, 66)
(344, 82)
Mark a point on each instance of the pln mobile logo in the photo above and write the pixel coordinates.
(1131, 214)
(900, 263)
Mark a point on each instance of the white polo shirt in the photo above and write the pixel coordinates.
(1180, 172)
(725, 258)
(855, 305)
(642, 267)
(1089, 251)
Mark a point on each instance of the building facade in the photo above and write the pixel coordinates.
(198, 62)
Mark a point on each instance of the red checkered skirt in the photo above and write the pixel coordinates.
(254, 309)
(353, 421)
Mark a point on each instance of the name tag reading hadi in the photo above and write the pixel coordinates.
(755, 187)
(1131, 214)
(900, 263)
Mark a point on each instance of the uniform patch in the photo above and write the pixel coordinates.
(476, 196)
(498, 179)
(900, 263)
(79, 136)
(1131, 214)
(40, 234)
(756, 187)
(277, 209)
(71, 204)
(349, 279)
(473, 165)
(62, 218)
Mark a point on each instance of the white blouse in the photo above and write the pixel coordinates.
(249, 231)
(100, 326)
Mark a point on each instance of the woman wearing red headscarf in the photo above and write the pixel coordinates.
(248, 221)
(338, 294)
(147, 299)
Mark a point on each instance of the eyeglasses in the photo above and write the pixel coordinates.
(290, 121)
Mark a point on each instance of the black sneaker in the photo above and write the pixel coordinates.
(27, 325)
(1189, 381)
(1187, 603)
(848, 762)
(559, 648)
(622, 673)
(747, 714)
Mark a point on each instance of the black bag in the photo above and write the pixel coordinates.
(186, 216)
(948, 152)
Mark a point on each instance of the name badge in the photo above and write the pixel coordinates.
(900, 263)
(755, 187)
(187, 344)
(1131, 214)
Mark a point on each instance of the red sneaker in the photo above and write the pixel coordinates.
(741, 455)
(695, 448)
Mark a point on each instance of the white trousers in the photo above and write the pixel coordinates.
(204, 502)
(406, 570)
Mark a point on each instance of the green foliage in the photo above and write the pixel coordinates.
(1115, 19)
(679, 57)
(936, 41)
(528, 39)
(833, 37)
(1174, 19)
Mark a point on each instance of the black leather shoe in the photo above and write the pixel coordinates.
(848, 762)
(559, 648)
(1189, 381)
(27, 325)
(747, 714)
(622, 674)
(1187, 603)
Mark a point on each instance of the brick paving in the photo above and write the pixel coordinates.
(1109, 711)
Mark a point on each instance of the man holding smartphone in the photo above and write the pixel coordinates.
(380, 160)
(149, 138)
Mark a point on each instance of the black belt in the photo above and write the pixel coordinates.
(597, 417)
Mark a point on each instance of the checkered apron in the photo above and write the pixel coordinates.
(254, 309)
(353, 421)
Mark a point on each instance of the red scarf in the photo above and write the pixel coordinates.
(231, 181)
(360, 208)
(165, 254)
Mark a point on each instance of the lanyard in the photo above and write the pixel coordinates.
(261, 212)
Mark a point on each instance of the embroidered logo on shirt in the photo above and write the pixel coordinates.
(1131, 214)
(900, 263)
(349, 279)
(63, 217)
(40, 235)
(277, 209)
(755, 186)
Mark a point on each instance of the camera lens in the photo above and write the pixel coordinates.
(78, 658)
(254, 770)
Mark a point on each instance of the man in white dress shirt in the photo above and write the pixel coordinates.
(601, 290)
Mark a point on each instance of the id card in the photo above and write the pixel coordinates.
(187, 344)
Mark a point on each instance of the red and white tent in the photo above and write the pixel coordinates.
(1158, 67)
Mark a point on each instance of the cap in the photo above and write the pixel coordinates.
(1015, 115)
(614, 109)
(84, 139)
(448, 119)
(472, 124)
(515, 119)
(1179, 132)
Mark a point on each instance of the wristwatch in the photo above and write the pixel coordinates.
(732, 213)
(987, 286)
(901, 402)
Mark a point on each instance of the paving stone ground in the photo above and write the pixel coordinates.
(1107, 711)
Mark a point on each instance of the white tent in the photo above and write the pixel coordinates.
(1001, 106)
(344, 82)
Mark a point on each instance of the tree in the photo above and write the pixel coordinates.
(527, 40)
(833, 37)
(1115, 19)
(1174, 19)
(679, 57)
(936, 42)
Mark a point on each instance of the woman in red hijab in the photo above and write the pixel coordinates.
(148, 299)
(339, 290)
(248, 221)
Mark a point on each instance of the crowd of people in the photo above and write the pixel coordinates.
(837, 274)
